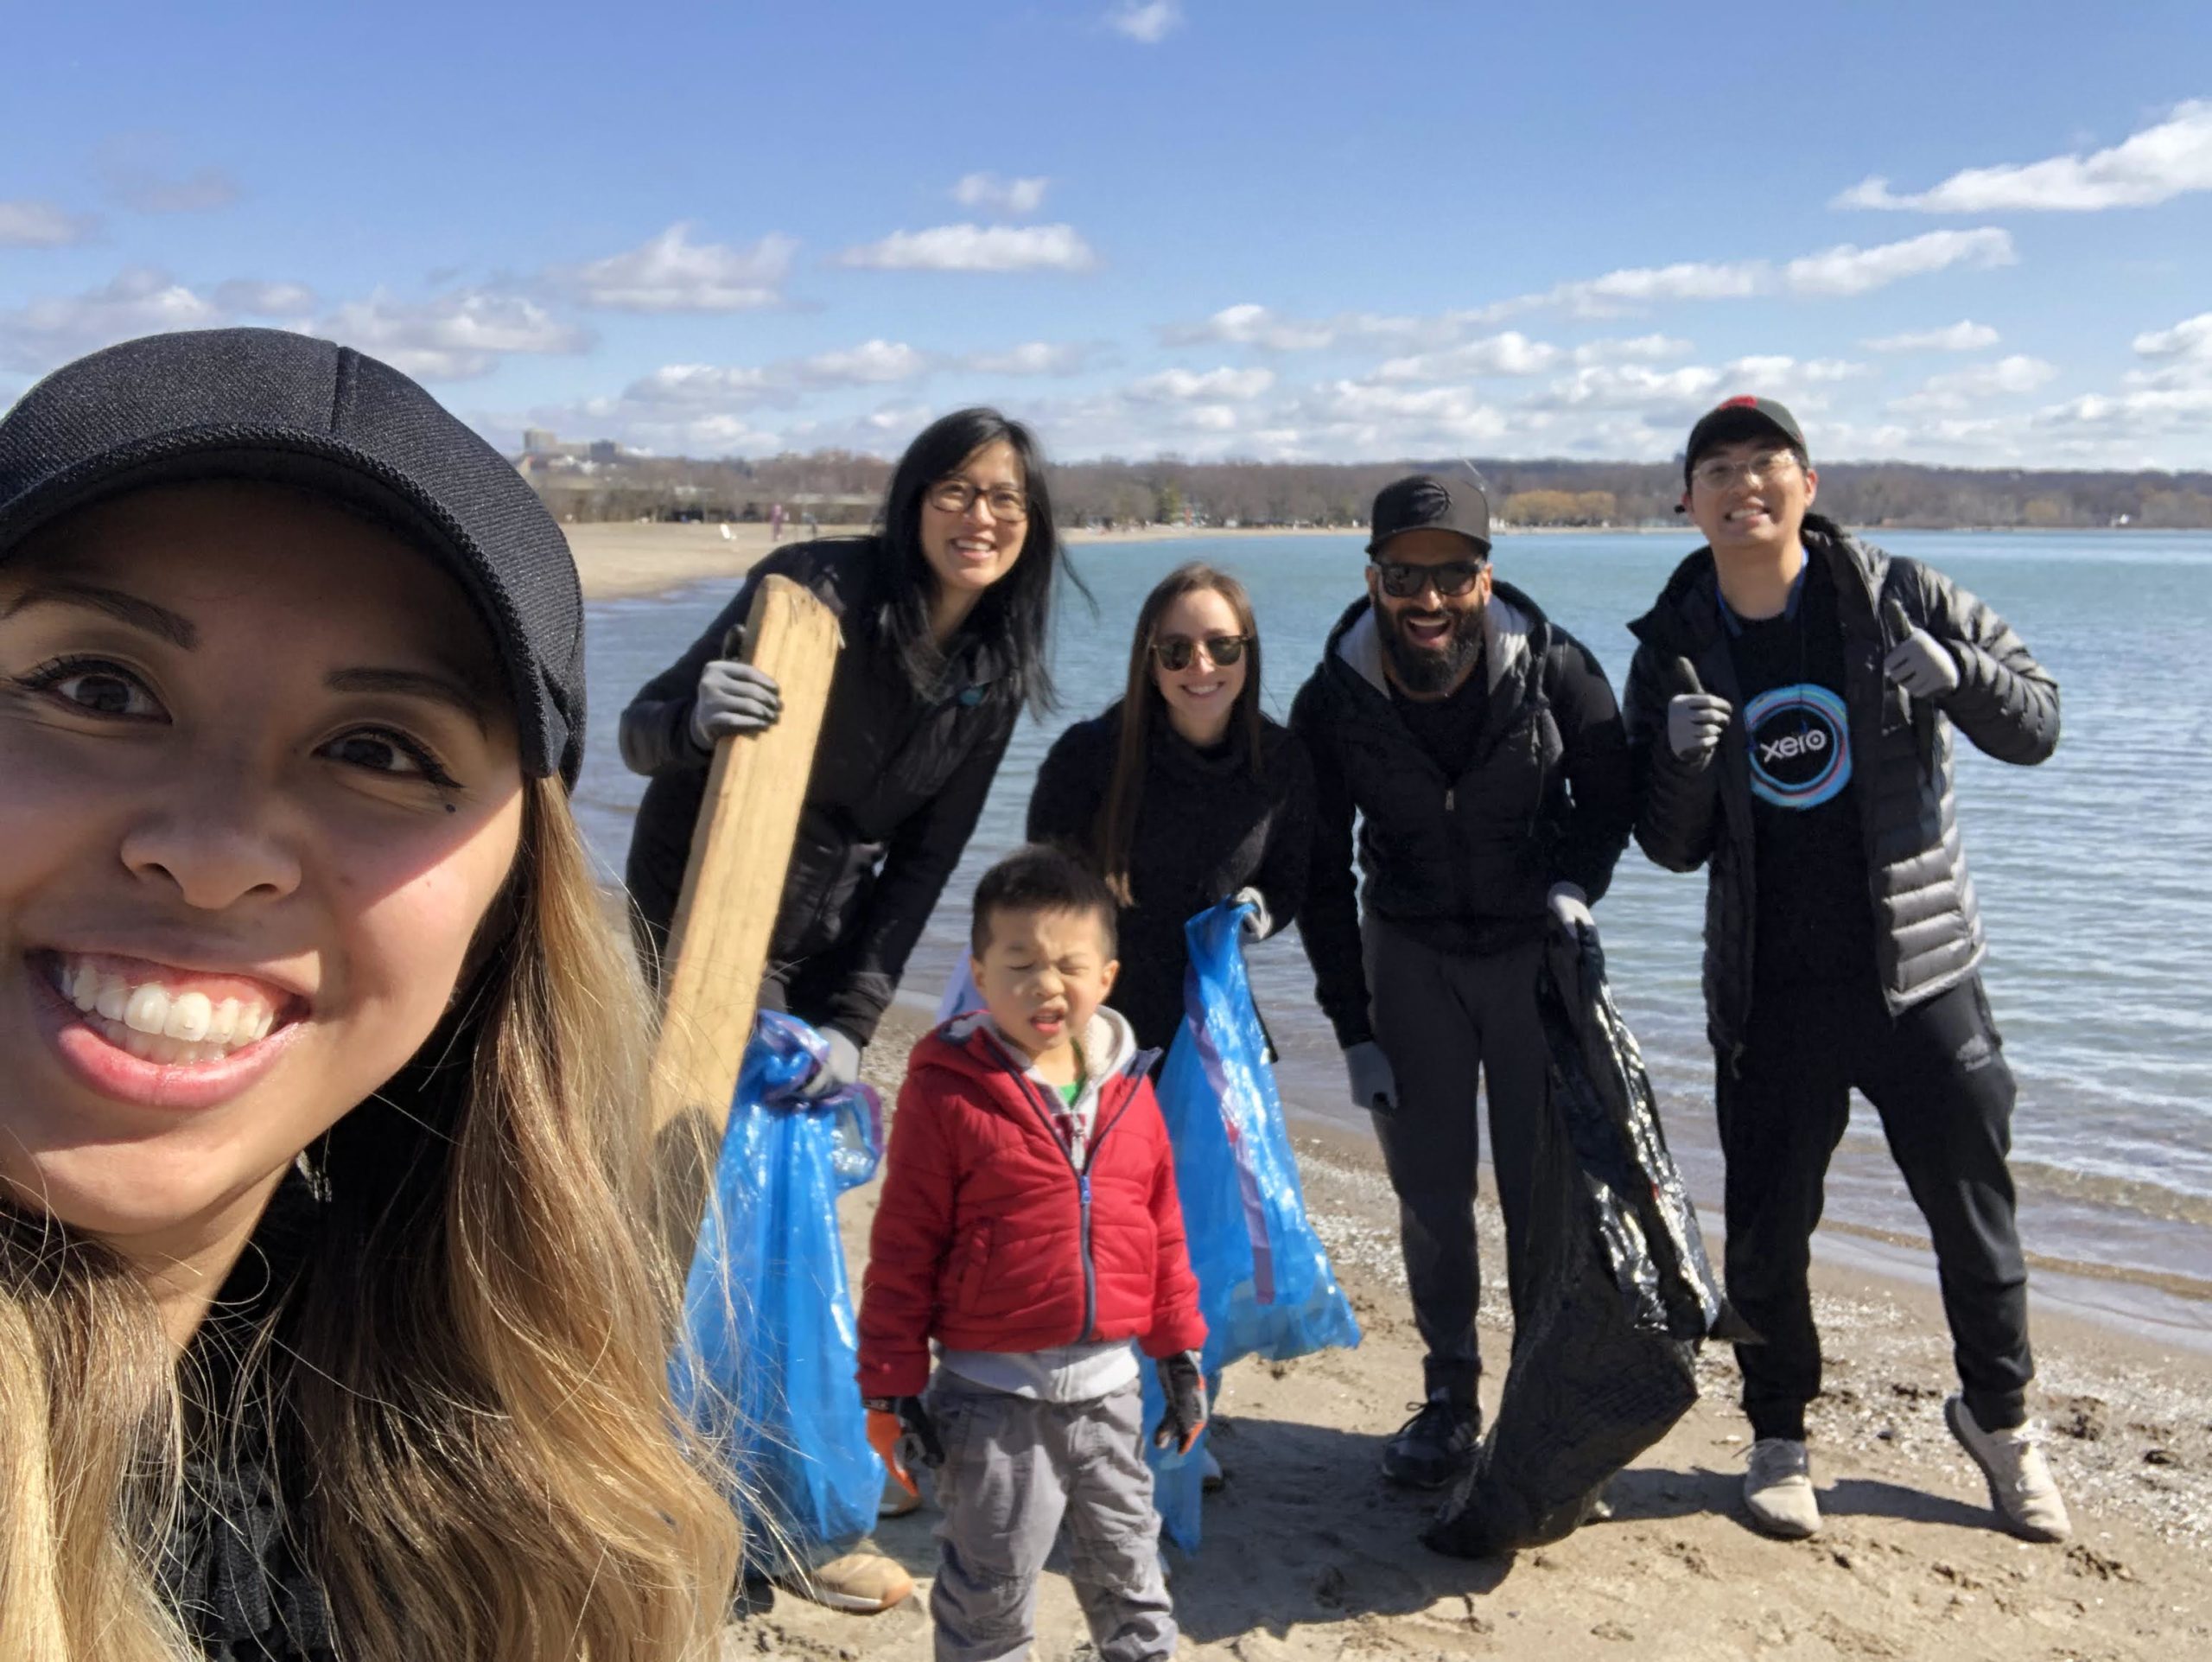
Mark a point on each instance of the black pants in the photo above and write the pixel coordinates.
(1937, 1076)
(1442, 1019)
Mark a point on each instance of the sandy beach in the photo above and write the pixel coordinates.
(618, 560)
(1309, 1554)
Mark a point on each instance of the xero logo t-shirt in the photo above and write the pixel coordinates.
(1815, 916)
(1801, 745)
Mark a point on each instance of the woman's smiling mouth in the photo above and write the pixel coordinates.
(151, 1034)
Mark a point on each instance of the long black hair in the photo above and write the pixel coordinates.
(1015, 613)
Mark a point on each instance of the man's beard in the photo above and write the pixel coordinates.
(1423, 669)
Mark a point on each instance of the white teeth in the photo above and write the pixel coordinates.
(148, 1010)
(189, 1016)
(157, 1025)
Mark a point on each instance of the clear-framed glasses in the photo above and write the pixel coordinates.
(1719, 475)
(1176, 652)
(957, 496)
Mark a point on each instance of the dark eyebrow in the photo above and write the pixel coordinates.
(177, 630)
(416, 683)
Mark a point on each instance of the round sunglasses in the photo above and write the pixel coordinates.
(1403, 579)
(1176, 652)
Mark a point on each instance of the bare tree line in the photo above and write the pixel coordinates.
(840, 488)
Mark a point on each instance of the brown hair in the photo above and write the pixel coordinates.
(473, 1360)
(1116, 828)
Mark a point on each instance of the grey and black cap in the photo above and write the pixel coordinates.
(1741, 418)
(268, 404)
(1426, 502)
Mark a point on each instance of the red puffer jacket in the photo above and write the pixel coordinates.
(988, 1237)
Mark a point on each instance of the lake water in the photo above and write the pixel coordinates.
(2094, 870)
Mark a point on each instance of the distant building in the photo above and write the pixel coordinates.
(539, 441)
(606, 449)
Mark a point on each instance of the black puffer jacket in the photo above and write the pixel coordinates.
(899, 781)
(1464, 864)
(1928, 927)
(1206, 829)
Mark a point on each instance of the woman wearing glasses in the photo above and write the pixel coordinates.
(945, 611)
(1183, 794)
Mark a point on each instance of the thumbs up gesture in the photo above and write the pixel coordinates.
(1919, 663)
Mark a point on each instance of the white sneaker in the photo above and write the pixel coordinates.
(2021, 1487)
(1778, 1489)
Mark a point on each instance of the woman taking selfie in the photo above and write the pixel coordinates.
(1182, 794)
(945, 614)
(325, 1324)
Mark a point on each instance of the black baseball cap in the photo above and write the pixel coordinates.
(1741, 418)
(268, 404)
(1425, 502)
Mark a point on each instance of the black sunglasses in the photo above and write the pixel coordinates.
(1403, 580)
(1175, 652)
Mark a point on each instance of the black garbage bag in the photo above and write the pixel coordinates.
(1605, 1360)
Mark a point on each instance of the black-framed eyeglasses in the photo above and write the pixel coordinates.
(1176, 652)
(1403, 579)
(957, 496)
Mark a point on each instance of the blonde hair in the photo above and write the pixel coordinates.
(470, 1366)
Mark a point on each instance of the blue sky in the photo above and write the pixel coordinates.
(1944, 234)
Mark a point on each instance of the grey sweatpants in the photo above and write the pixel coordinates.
(1442, 1019)
(1013, 1469)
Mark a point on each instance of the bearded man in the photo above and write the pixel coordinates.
(1482, 749)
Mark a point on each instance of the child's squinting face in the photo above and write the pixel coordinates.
(1044, 976)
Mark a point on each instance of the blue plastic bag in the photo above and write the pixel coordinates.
(1265, 1284)
(766, 1364)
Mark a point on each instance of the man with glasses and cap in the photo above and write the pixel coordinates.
(1481, 748)
(1791, 706)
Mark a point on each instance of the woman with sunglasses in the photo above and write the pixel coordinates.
(945, 613)
(1182, 793)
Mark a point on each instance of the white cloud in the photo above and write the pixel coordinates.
(671, 273)
(2191, 338)
(701, 383)
(872, 363)
(2153, 166)
(1633, 386)
(249, 299)
(1148, 22)
(1509, 354)
(1636, 349)
(1960, 388)
(201, 191)
(976, 248)
(1847, 269)
(1634, 286)
(451, 337)
(1184, 385)
(140, 301)
(41, 225)
(989, 193)
(1033, 358)
(1962, 336)
(1358, 418)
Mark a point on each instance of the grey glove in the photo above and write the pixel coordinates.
(1695, 722)
(1570, 909)
(1256, 923)
(1374, 1087)
(1919, 663)
(840, 1068)
(1185, 1387)
(733, 698)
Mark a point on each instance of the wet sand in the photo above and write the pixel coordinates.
(1309, 1554)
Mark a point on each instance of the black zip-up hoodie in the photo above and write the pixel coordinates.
(1927, 924)
(1464, 864)
(899, 781)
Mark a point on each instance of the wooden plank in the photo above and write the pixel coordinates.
(733, 884)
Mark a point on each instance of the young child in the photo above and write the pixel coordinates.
(1029, 1225)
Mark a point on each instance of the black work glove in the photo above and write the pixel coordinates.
(1184, 1385)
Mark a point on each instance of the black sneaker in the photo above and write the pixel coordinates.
(1435, 1447)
